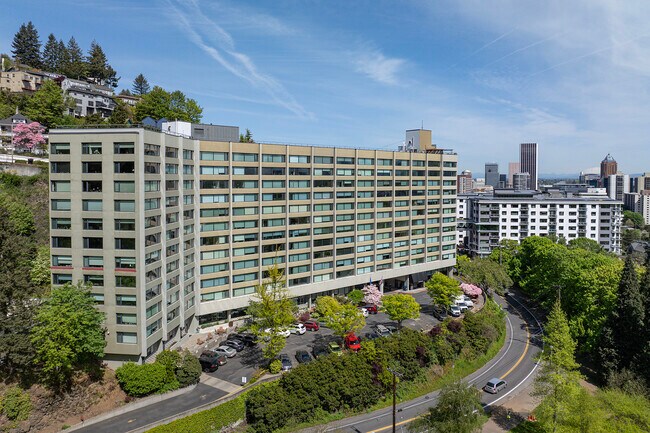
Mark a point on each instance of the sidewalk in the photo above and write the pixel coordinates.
(518, 406)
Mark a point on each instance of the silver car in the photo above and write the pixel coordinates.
(495, 385)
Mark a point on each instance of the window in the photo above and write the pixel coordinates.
(213, 156)
(91, 167)
(272, 158)
(323, 172)
(93, 243)
(299, 196)
(61, 242)
(92, 205)
(323, 160)
(273, 209)
(127, 167)
(60, 204)
(124, 262)
(93, 262)
(247, 171)
(273, 171)
(124, 148)
(274, 196)
(244, 184)
(299, 159)
(244, 197)
(126, 205)
(245, 277)
(124, 243)
(93, 224)
(245, 264)
(214, 170)
(345, 172)
(244, 157)
(91, 186)
(124, 281)
(126, 318)
(294, 171)
(60, 167)
(126, 186)
(61, 223)
(61, 278)
(60, 148)
(91, 148)
(365, 161)
(273, 184)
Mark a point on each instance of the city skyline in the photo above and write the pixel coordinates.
(342, 74)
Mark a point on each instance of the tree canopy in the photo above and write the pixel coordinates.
(68, 334)
(400, 306)
(159, 104)
(340, 318)
(98, 69)
(140, 85)
(442, 289)
(47, 105)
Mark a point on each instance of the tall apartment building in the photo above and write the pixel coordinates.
(617, 185)
(639, 203)
(520, 181)
(641, 183)
(124, 218)
(175, 231)
(513, 167)
(492, 174)
(528, 162)
(516, 215)
(465, 182)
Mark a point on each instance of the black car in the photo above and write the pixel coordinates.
(439, 313)
(303, 357)
(319, 351)
(286, 362)
(209, 363)
(221, 359)
(248, 339)
(238, 345)
(371, 335)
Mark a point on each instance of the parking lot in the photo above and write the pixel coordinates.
(246, 362)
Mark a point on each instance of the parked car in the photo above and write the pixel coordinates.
(286, 362)
(303, 357)
(209, 362)
(495, 385)
(364, 311)
(382, 331)
(221, 359)
(372, 309)
(284, 332)
(319, 351)
(298, 328)
(454, 310)
(439, 313)
(311, 325)
(335, 348)
(246, 338)
(238, 345)
(352, 342)
(226, 350)
(462, 306)
(371, 335)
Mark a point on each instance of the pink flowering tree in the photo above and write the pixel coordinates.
(29, 136)
(471, 289)
(371, 294)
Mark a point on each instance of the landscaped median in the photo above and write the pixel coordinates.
(334, 387)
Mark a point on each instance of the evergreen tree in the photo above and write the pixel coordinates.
(140, 85)
(64, 58)
(641, 363)
(26, 46)
(51, 54)
(98, 69)
(75, 65)
(618, 348)
(558, 378)
(121, 115)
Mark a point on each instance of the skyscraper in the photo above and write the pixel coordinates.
(465, 182)
(513, 167)
(492, 174)
(528, 162)
(608, 167)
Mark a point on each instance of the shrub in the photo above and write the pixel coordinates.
(170, 359)
(275, 366)
(188, 371)
(140, 380)
(16, 404)
(208, 421)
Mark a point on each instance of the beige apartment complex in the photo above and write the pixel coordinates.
(203, 221)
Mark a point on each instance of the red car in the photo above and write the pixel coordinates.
(372, 309)
(352, 342)
(311, 325)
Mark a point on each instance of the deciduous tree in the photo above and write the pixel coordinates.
(371, 294)
(355, 296)
(442, 289)
(68, 335)
(340, 318)
(29, 136)
(458, 410)
(400, 306)
(272, 310)
(159, 103)
(47, 105)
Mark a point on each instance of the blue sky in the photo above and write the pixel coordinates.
(483, 76)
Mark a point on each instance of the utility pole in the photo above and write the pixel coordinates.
(395, 374)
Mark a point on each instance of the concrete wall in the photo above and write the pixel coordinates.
(20, 169)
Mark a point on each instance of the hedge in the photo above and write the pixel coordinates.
(207, 421)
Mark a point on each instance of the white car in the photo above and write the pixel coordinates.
(298, 328)
(284, 332)
(454, 310)
(364, 311)
(226, 350)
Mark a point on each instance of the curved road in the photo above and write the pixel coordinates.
(516, 362)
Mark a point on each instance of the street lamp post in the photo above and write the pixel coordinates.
(395, 375)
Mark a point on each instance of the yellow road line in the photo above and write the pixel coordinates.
(521, 358)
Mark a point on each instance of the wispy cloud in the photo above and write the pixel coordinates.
(215, 41)
(379, 67)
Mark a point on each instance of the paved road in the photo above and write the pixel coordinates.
(515, 363)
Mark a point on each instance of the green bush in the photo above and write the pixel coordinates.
(188, 371)
(140, 380)
(211, 420)
(16, 404)
(171, 360)
(275, 366)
